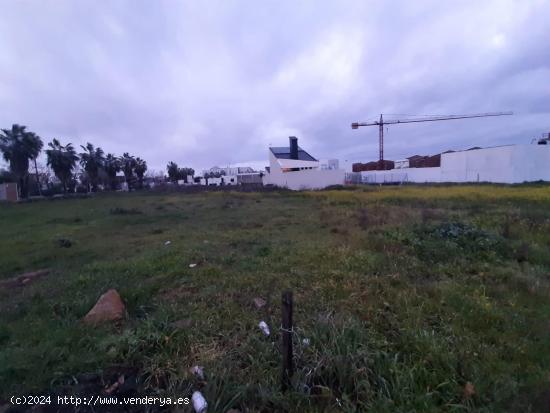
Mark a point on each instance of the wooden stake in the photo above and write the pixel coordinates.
(288, 367)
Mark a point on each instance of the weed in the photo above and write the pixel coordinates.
(64, 243)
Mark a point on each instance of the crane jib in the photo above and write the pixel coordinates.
(381, 123)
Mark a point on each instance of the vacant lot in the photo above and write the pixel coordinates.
(412, 298)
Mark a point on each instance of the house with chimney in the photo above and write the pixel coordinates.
(294, 168)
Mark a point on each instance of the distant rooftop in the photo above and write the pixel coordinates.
(284, 153)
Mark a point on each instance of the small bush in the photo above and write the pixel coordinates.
(456, 240)
(64, 243)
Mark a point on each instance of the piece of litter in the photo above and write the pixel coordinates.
(305, 342)
(198, 371)
(192, 265)
(115, 385)
(167, 242)
(264, 327)
(260, 302)
(199, 402)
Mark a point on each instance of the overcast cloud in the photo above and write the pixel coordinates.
(206, 83)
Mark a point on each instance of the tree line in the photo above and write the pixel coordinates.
(21, 147)
(175, 173)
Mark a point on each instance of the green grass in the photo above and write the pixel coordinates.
(406, 294)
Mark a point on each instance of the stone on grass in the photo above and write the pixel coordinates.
(109, 307)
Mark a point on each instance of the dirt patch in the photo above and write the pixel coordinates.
(23, 279)
(112, 382)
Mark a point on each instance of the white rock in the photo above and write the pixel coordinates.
(264, 327)
(199, 402)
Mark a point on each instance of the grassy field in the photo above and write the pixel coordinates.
(409, 296)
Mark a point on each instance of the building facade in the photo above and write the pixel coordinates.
(293, 168)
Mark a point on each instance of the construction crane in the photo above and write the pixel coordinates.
(382, 122)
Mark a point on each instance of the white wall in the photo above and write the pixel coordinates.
(418, 175)
(227, 180)
(503, 164)
(305, 179)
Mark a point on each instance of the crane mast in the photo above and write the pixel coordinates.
(382, 122)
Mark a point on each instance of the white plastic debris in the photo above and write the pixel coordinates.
(305, 342)
(192, 265)
(198, 371)
(199, 402)
(167, 242)
(264, 327)
(259, 302)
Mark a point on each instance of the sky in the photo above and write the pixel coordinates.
(206, 83)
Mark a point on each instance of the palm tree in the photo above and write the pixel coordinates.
(19, 146)
(140, 168)
(36, 165)
(112, 166)
(62, 159)
(91, 161)
(128, 163)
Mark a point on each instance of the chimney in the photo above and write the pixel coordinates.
(293, 147)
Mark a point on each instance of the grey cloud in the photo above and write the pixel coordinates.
(215, 82)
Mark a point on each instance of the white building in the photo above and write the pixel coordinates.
(502, 164)
(292, 167)
(331, 164)
(402, 163)
(236, 170)
(220, 181)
